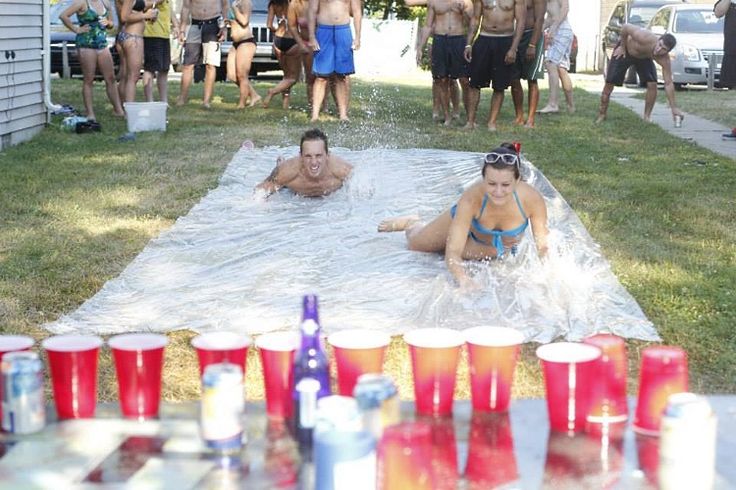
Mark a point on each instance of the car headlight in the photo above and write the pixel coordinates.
(690, 53)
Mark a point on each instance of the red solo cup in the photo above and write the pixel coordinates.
(73, 367)
(405, 457)
(492, 355)
(434, 356)
(609, 403)
(12, 343)
(139, 360)
(490, 439)
(277, 358)
(357, 351)
(216, 347)
(569, 377)
(663, 372)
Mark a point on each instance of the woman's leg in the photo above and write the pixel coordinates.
(134, 62)
(291, 63)
(431, 237)
(308, 76)
(232, 74)
(243, 61)
(122, 70)
(107, 69)
(88, 61)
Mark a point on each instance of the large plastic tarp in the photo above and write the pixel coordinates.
(240, 262)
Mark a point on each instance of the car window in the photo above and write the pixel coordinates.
(660, 19)
(642, 15)
(618, 17)
(697, 21)
(260, 5)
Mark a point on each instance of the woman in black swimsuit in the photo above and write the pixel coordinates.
(240, 57)
(286, 48)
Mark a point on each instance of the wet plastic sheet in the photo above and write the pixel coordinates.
(240, 262)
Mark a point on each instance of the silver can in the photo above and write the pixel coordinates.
(24, 407)
(378, 400)
(223, 407)
(687, 446)
(678, 121)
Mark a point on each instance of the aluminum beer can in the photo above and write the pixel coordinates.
(223, 407)
(687, 446)
(378, 400)
(24, 407)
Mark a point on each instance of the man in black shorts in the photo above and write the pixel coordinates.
(492, 56)
(446, 20)
(157, 51)
(641, 48)
(202, 31)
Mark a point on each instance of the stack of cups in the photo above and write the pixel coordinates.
(609, 404)
(357, 351)
(73, 367)
(663, 372)
(492, 354)
(277, 350)
(139, 360)
(434, 357)
(569, 376)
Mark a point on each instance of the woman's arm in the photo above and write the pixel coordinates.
(292, 23)
(242, 13)
(74, 8)
(130, 16)
(269, 19)
(538, 216)
(721, 7)
(457, 238)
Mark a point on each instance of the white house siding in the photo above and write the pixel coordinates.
(22, 110)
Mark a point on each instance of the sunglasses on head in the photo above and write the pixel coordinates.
(506, 158)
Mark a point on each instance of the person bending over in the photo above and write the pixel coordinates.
(314, 173)
(487, 222)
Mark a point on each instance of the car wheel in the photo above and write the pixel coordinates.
(679, 87)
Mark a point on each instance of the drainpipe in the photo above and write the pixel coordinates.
(46, 59)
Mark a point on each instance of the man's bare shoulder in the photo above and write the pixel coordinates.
(339, 166)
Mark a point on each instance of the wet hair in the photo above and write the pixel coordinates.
(313, 135)
(669, 40)
(504, 148)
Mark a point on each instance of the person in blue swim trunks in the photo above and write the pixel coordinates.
(487, 222)
(332, 41)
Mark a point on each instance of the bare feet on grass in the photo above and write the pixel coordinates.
(400, 223)
(492, 127)
(549, 110)
(470, 126)
(266, 100)
(254, 100)
(600, 118)
(519, 121)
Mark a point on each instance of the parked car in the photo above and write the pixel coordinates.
(699, 36)
(59, 35)
(636, 12)
(264, 59)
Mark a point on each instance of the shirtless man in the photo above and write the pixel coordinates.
(313, 173)
(641, 47)
(529, 59)
(557, 56)
(493, 56)
(202, 30)
(446, 21)
(333, 45)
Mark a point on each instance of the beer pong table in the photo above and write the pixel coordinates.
(109, 452)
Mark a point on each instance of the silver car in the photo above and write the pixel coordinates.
(699, 37)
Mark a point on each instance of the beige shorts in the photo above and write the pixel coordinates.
(201, 45)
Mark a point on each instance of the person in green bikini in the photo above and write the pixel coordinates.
(487, 222)
(94, 17)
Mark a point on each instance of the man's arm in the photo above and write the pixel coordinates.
(564, 10)
(312, 11)
(356, 8)
(184, 19)
(425, 31)
(669, 86)
(540, 8)
(283, 173)
(620, 49)
(224, 7)
(472, 29)
(339, 167)
(520, 18)
(721, 7)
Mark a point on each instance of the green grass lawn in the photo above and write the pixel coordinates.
(715, 105)
(76, 209)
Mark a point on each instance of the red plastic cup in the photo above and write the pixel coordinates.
(490, 439)
(569, 377)
(277, 358)
(405, 457)
(492, 355)
(73, 368)
(216, 347)
(357, 351)
(434, 356)
(663, 372)
(12, 343)
(609, 403)
(139, 360)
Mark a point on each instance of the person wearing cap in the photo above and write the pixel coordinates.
(488, 221)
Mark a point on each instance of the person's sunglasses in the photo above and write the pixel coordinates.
(506, 158)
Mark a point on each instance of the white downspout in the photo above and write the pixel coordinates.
(46, 59)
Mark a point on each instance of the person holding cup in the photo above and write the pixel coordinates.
(488, 221)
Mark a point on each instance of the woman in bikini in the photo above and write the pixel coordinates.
(287, 50)
(94, 19)
(299, 25)
(487, 222)
(240, 57)
(133, 15)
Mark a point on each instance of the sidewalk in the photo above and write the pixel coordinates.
(696, 129)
